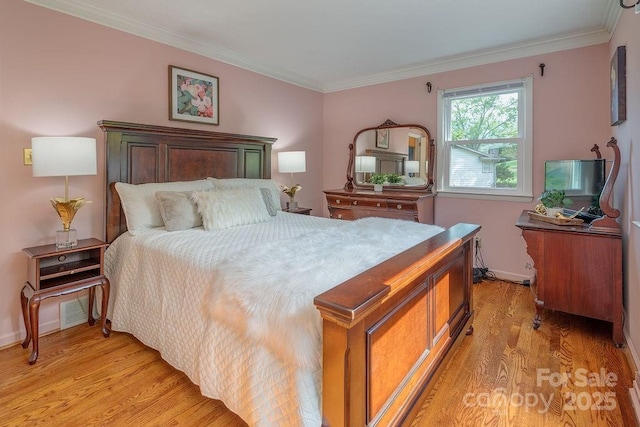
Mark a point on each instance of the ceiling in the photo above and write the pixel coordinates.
(330, 45)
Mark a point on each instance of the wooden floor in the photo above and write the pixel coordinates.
(506, 374)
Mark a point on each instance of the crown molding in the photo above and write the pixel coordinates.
(123, 23)
(477, 58)
(143, 29)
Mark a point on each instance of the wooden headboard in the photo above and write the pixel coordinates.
(138, 153)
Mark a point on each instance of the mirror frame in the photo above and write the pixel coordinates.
(351, 184)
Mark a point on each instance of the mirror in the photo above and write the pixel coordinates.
(400, 157)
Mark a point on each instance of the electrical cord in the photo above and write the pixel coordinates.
(481, 272)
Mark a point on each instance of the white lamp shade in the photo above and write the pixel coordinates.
(63, 156)
(365, 164)
(412, 166)
(292, 162)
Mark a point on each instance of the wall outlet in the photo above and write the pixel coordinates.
(477, 242)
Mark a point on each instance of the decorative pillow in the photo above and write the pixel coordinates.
(230, 208)
(267, 198)
(139, 202)
(231, 183)
(177, 210)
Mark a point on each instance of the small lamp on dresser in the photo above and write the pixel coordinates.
(64, 156)
(411, 167)
(365, 165)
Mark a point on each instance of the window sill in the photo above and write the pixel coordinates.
(497, 197)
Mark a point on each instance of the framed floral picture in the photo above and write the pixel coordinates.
(382, 138)
(193, 96)
(618, 74)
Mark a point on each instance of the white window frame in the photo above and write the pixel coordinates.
(524, 190)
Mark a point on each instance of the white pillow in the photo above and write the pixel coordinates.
(139, 202)
(177, 210)
(231, 183)
(230, 208)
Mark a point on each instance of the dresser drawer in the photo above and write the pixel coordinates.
(346, 214)
(369, 203)
(401, 205)
(338, 202)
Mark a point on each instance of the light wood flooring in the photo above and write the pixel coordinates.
(506, 374)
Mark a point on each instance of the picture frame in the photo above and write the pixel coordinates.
(193, 96)
(618, 74)
(382, 138)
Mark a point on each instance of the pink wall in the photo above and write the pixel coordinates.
(59, 75)
(570, 115)
(627, 190)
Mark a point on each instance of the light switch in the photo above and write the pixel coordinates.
(26, 156)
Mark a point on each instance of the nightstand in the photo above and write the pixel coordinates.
(301, 211)
(53, 272)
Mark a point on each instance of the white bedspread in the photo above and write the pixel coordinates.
(160, 282)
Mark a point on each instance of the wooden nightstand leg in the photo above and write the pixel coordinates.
(92, 296)
(34, 311)
(105, 304)
(24, 302)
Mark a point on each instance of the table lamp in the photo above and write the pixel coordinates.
(292, 162)
(64, 156)
(411, 167)
(365, 164)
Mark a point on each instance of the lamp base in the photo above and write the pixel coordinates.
(66, 239)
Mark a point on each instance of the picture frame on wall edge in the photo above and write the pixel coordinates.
(193, 96)
(382, 138)
(618, 74)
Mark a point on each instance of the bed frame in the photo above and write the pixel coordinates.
(386, 332)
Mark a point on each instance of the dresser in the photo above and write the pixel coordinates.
(361, 203)
(578, 270)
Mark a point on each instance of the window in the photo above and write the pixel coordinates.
(485, 140)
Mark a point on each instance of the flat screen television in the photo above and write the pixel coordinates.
(576, 177)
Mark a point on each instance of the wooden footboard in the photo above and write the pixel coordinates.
(387, 331)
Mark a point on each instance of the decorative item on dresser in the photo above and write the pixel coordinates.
(410, 161)
(382, 337)
(53, 272)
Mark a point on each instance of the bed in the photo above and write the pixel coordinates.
(358, 344)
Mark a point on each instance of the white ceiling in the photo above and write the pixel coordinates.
(329, 45)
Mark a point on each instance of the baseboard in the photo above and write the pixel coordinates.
(512, 277)
(16, 337)
(634, 362)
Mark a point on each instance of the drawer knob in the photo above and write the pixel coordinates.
(399, 206)
(378, 204)
(355, 202)
(339, 216)
(337, 201)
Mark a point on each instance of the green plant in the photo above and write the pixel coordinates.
(378, 178)
(555, 199)
(392, 178)
(385, 178)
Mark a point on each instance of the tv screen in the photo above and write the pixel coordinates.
(576, 177)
